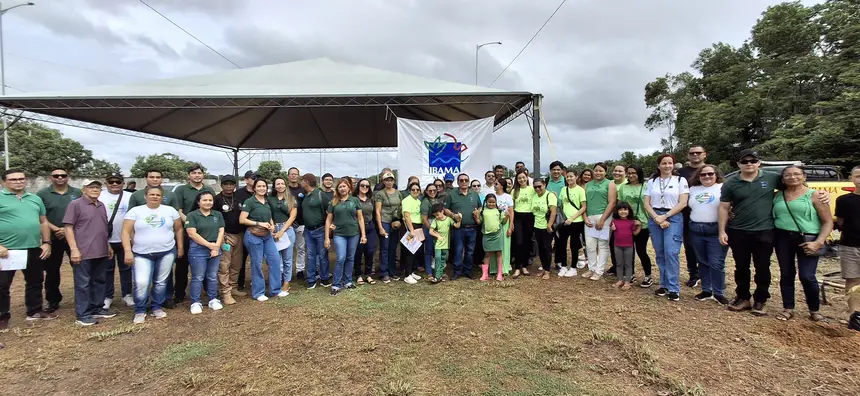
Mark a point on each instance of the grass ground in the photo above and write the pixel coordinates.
(517, 337)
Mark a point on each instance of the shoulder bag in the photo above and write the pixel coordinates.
(806, 237)
(113, 215)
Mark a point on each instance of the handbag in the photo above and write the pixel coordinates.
(560, 217)
(258, 231)
(806, 237)
(113, 215)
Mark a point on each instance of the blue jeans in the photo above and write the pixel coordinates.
(388, 251)
(711, 255)
(317, 266)
(258, 248)
(464, 240)
(203, 266)
(366, 251)
(124, 273)
(787, 246)
(667, 245)
(152, 269)
(89, 286)
(429, 253)
(344, 248)
(287, 254)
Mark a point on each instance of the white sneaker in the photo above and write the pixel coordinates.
(215, 305)
(139, 318)
(159, 314)
(580, 264)
(107, 303)
(410, 280)
(562, 272)
(262, 298)
(571, 272)
(128, 300)
(596, 277)
(415, 276)
(283, 293)
(196, 308)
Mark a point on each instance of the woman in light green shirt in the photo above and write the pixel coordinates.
(632, 193)
(524, 222)
(411, 207)
(573, 205)
(543, 208)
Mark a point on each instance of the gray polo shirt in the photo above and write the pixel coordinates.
(89, 221)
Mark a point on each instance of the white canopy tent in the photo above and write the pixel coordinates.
(311, 104)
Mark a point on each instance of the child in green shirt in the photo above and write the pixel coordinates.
(491, 220)
(440, 228)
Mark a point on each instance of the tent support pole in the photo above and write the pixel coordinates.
(536, 107)
(236, 163)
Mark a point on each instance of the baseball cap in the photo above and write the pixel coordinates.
(449, 177)
(251, 175)
(114, 175)
(228, 179)
(387, 175)
(748, 153)
(90, 182)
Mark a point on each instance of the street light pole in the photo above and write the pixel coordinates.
(478, 48)
(3, 78)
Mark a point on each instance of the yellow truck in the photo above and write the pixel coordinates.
(820, 177)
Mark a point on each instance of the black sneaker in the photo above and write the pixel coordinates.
(350, 285)
(300, 275)
(633, 279)
(758, 309)
(86, 321)
(693, 282)
(104, 314)
(51, 307)
(169, 304)
(325, 282)
(721, 299)
(704, 296)
(647, 282)
(611, 271)
(672, 296)
(334, 291)
(312, 285)
(661, 292)
(854, 321)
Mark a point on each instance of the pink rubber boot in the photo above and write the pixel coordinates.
(485, 271)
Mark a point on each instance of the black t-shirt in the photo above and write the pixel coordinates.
(230, 208)
(242, 195)
(299, 195)
(687, 172)
(848, 209)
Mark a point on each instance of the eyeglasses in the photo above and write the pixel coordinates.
(415, 189)
(17, 180)
(748, 161)
(696, 152)
(431, 190)
(707, 174)
(114, 182)
(60, 176)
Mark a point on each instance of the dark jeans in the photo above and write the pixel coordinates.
(521, 239)
(51, 266)
(574, 232)
(544, 247)
(751, 247)
(693, 263)
(89, 286)
(388, 251)
(366, 251)
(463, 240)
(430, 252)
(33, 278)
(240, 283)
(788, 248)
(124, 273)
(613, 268)
(409, 262)
(180, 272)
(640, 243)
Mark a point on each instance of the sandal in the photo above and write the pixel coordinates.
(785, 315)
(360, 281)
(371, 281)
(817, 317)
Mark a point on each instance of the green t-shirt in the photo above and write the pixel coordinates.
(390, 205)
(314, 208)
(138, 198)
(260, 212)
(280, 209)
(186, 194)
(413, 207)
(56, 203)
(463, 204)
(443, 227)
(367, 208)
(427, 205)
(803, 210)
(752, 201)
(207, 227)
(20, 227)
(571, 202)
(345, 217)
(523, 200)
(597, 196)
(633, 195)
(491, 220)
(541, 206)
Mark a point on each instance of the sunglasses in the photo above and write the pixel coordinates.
(707, 174)
(748, 161)
(429, 190)
(538, 187)
(476, 186)
(114, 182)
(364, 185)
(60, 176)
(696, 152)
(415, 189)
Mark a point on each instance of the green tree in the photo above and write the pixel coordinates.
(38, 149)
(171, 166)
(269, 170)
(97, 168)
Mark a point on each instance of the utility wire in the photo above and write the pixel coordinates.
(189, 34)
(530, 41)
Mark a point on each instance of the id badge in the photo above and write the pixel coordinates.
(225, 247)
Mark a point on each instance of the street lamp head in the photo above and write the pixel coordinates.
(31, 3)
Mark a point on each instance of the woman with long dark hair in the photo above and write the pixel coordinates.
(543, 208)
(601, 196)
(574, 205)
(430, 198)
(524, 222)
(284, 213)
(633, 192)
(505, 203)
(412, 220)
(388, 214)
(364, 269)
(345, 216)
(205, 228)
(667, 195)
(257, 215)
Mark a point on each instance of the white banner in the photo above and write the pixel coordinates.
(430, 149)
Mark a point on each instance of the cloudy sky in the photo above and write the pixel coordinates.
(591, 61)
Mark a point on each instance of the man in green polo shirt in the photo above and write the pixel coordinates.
(154, 178)
(464, 203)
(56, 198)
(314, 213)
(184, 197)
(23, 228)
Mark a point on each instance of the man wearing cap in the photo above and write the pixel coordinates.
(86, 224)
(56, 198)
(242, 195)
(449, 183)
(186, 196)
(328, 185)
(115, 201)
(749, 232)
(231, 259)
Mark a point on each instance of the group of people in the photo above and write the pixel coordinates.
(165, 243)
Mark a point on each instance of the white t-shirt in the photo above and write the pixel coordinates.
(486, 191)
(705, 203)
(153, 229)
(504, 201)
(665, 193)
(109, 200)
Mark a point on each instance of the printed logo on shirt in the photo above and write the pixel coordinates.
(154, 221)
(705, 198)
(764, 184)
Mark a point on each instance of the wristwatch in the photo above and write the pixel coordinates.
(46, 242)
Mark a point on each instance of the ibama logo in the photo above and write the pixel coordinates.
(445, 154)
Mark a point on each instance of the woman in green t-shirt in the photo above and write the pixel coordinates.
(543, 208)
(205, 228)
(601, 195)
(619, 178)
(573, 205)
(411, 207)
(257, 215)
(633, 192)
(344, 217)
(524, 223)
(284, 213)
